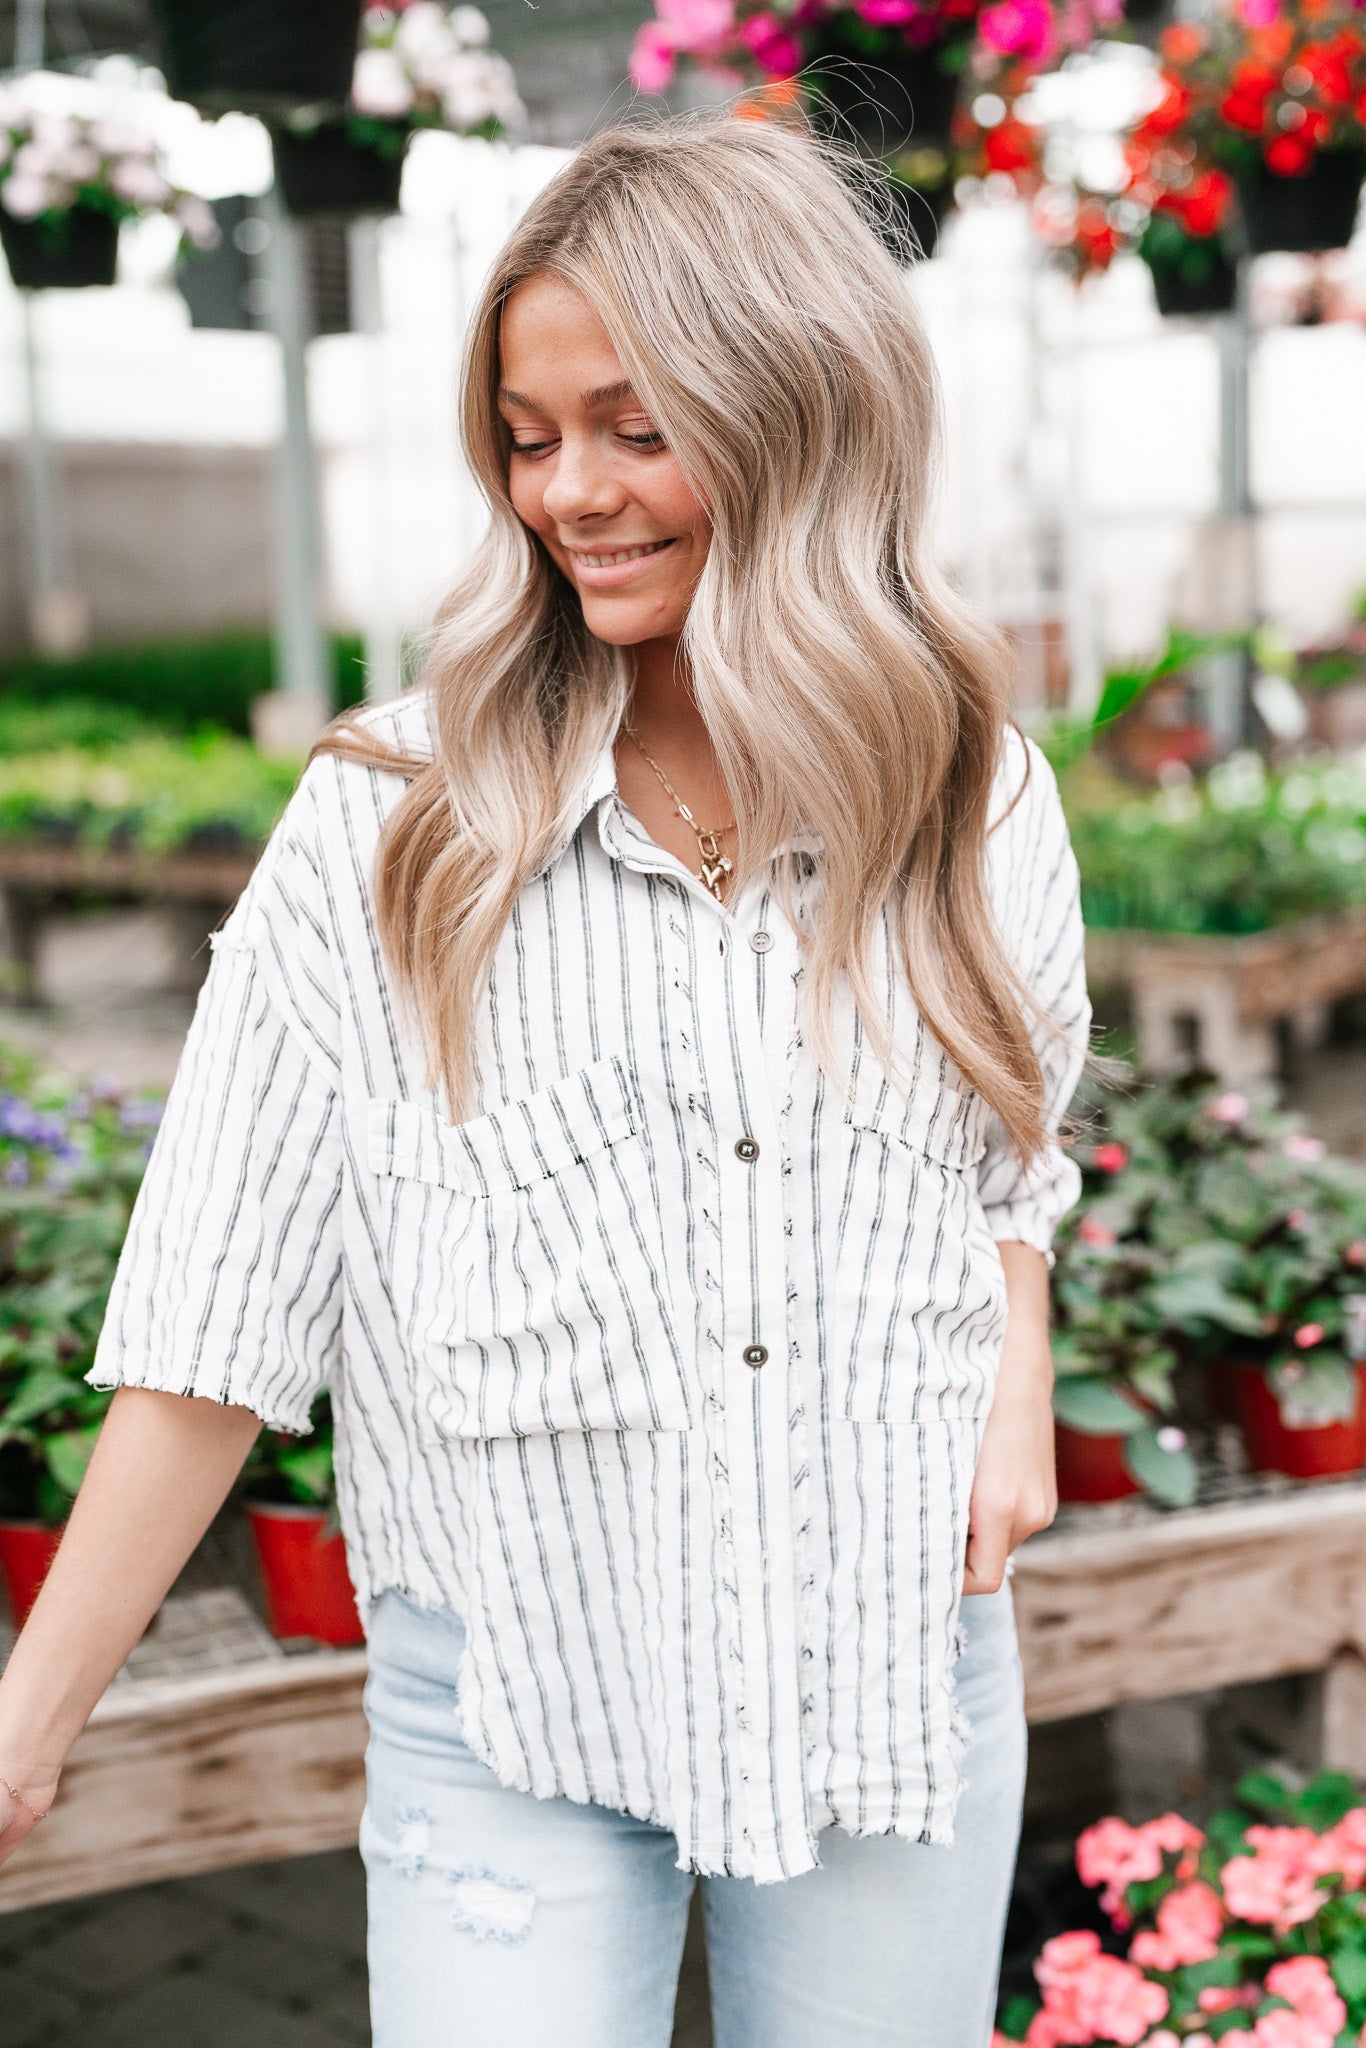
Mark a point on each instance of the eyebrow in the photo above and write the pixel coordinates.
(603, 394)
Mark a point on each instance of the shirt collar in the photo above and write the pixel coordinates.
(600, 792)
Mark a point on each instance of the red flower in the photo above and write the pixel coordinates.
(1182, 43)
(1092, 1231)
(1110, 1157)
(1171, 110)
(1245, 111)
(1289, 156)
(1329, 66)
(1011, 146)
(1203, 207)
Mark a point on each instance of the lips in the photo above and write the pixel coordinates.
(604, 558)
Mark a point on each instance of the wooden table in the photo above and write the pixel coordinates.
(258, 1754)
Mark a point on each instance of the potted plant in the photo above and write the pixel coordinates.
(426, 65)
(257, 54)
(77, 158)
(1186, 249)
(1249, 1930)
(1290, 1313)
(70, 1165)
(291, 1507)
(1332, 680)
(1277, 97)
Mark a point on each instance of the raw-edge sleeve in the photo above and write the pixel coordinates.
(1037, 891)
(230, 1280)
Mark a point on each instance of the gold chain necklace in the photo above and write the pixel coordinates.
(715, 865)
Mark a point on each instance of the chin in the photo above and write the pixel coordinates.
(620, 627)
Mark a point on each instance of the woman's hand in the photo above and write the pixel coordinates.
(1015, 1488)
(24, 1799)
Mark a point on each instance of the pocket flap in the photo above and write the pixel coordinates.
(515, 1144)
(945, 1123)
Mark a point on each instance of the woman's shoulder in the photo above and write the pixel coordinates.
(1024, 794)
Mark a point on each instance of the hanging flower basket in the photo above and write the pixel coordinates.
(326, 170)
(1192, 273)
(1315, 210)
(1274, 1444)
(876, 86)
(258, 54)
(26, 1553)
(67, 251)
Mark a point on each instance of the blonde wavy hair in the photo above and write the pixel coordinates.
(847, 688)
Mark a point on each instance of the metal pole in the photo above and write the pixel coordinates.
(291, 716)
(382, 637)
(1228, 675)
(1079, 608)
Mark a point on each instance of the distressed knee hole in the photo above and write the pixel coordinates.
(414, 1839)
(491, 1908)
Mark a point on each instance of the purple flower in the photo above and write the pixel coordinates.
(16, 1172)
(143, 1113)
(19, 1119)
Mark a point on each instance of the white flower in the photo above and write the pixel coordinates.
(196, 217)
(78, 162)
(422, 31)
(470, 27)
(380, 84)
(141, 184)
(26, 197)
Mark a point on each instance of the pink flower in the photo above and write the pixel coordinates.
(1355, 1253)
(1089, 1995)
(1092, 1231)
(774, 48)
(1046, 2030)
(887, 13)
(652, 58)
(1228, 1109)
(1259, 13)
(1110, 1157)
(1290, 2030)
(1305, 1983)
(702, 26)
(1115, 1855)
(1298, 1218)
(1307, 1335)
(1189, 1923)
(1275, 1885)
(1220, 1998)
(1017, 28)
(1172, 1832)
(1343, 1849)
(1297, 1146)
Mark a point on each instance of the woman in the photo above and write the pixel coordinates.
(631, 1080)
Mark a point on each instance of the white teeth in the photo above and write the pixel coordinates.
(622, 555)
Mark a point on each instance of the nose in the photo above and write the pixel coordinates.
(580, 485)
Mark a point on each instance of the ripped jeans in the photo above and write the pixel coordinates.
(499, 1920)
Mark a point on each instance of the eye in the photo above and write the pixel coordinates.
(644, 440)
(531, 447)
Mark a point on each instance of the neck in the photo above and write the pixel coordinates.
(662, 701)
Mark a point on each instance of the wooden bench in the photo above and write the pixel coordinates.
(36, 877)
(1220, 1001)
(221, 1750)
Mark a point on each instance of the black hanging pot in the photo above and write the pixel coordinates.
(325, 171)
(1190, 273)
(1316, 210)
(879, 89)
(80, 248)
(263, 55)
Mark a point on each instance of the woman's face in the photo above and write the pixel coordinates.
(588, 472)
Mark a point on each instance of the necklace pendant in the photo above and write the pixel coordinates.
(713, 871)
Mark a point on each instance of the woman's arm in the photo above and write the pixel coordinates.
(161, 1471)
(1015, 1490)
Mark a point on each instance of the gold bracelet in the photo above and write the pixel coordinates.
(20, 1800)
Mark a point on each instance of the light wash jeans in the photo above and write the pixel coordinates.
(498, 1920)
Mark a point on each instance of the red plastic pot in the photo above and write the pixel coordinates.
(26, 1553)
(1313, 1453)
(303, 1570)
(1091, 1468)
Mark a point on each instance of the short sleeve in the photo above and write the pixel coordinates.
(230, 1280)
(1036, 893)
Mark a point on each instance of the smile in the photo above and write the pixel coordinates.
(604, 560)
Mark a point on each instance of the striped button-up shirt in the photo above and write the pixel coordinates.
(668, 1370)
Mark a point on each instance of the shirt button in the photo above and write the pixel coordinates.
(746, 1149)
(762, 942)
(755, 1354)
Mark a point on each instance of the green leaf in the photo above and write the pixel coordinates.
(1170, 1476)
(307, 1468)
(1269, 1795)
(1016, 2015)
(68, 1455)
(1325, 1799)
(39, 1394)
(1096, 1407)
(1348, 1965)
(1220, 1970)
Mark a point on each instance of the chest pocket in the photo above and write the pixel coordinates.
(527, 1257)
(919, 1309)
